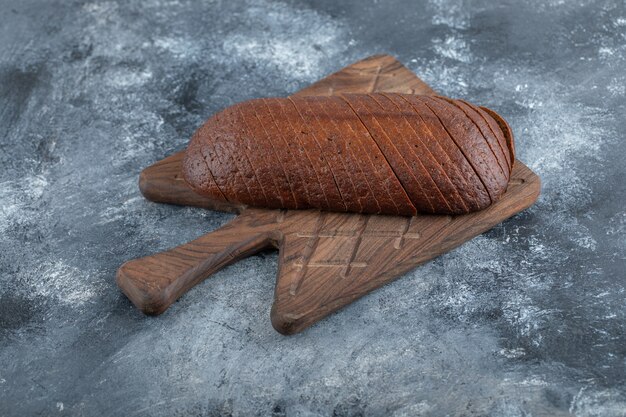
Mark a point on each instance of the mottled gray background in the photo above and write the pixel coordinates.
(527, 319)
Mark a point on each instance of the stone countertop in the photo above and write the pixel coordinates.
(527, 319)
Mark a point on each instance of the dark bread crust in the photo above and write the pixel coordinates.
(294, 177)
(260, 153)
(398, 140)
(317, 194)
(486, 132)
(195, 166)
(506, 131)
(379, 174)
(222, 129)
(255, 147)
(368, 153)
(326, 138)
(418, 155)
(300, 171)
(353, 156)
(477, 154)
(436, 155)
(474, 191)
(495, 130)
(308, 140)
(475, 146)
(363, 107)
(216, 148)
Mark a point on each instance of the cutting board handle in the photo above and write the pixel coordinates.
(154, 282)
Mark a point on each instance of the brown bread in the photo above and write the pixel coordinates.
(367, 153)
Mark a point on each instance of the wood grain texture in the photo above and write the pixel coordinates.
(327, 260)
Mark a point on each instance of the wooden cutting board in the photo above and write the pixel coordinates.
(326, 260)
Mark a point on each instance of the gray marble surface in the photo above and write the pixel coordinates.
(527, 319)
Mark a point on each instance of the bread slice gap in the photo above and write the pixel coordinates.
(476, 191)
(442, 149)
(485, 131)
(222, 146)
(295, 176)
(317, 194)
(409, 144)
(394, 194)
(506, 131)
(366, 152)
(471, 154)
(308, 137)
(421, 147)
(198, 175)
(328, 139)
(485, 161)
(363, 105)
(281, 109)
(495, 130)
(227, 125)
(280, 175)
(351, 151)
(257, 151)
